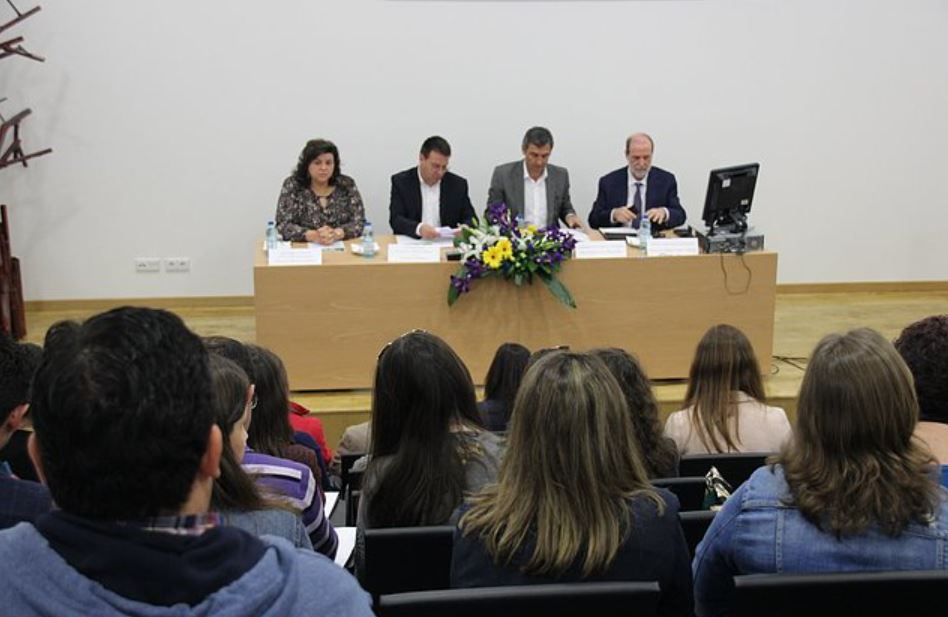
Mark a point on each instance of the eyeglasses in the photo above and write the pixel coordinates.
(401, 336)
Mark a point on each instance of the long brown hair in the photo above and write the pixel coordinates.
(659, 453)
(572, 497)
(724, 363)
(852, 461)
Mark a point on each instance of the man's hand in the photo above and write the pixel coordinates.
(623, 215)
(428, 232)
(657, 215)
(573, 222)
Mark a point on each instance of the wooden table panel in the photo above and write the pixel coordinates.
(328, 322)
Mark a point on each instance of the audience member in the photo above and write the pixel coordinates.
(851, 491)
(303, 421)
(270, 431)
(659, 453)
(573, 501)
(354, 440)
(924, 348)
(235, 494)
(500, 386)
(20, 500)
(126, 441)
(428, 447)
(15, 452)
(724, 410)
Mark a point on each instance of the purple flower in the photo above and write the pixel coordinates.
(461, 283)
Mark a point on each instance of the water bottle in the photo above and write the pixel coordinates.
(368, 240)
(272, 238)
(645, 232)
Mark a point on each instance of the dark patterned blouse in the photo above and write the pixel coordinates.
(298, 210)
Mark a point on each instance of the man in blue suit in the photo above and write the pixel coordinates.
(623, 192)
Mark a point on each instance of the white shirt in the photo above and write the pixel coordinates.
(762, 428)
(430, 204)
(534, 198)
(632, 180)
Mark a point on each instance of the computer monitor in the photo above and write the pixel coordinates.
(729, 198)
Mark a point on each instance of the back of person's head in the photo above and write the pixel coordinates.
(234, 489)
(18, 362)
(504, 375)
(422, 394)
(233, 350)
(724, 364)
(852, 461)
(270, 430)
(572, 463)
(924, 347)
(658, 452)
(123, 414)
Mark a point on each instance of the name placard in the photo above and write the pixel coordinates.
(600, 249)
(288, 256)
(672, 247)
(414, 253)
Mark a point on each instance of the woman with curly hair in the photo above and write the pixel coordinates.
(659, 453)
(852, 490)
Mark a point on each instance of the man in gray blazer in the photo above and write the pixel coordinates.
(532, 188)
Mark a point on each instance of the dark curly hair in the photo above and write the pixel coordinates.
(312, 149)
(659, 453)
(123, 410)
(924, 347)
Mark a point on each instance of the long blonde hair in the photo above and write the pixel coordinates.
(853, 461)
(571, 466)
(724, 363)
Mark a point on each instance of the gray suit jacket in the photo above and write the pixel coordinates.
(506, 185)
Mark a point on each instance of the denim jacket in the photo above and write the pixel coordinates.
(758, 532)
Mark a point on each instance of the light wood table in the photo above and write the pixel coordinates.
(328, 322)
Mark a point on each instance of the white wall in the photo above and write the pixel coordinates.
(175, 121)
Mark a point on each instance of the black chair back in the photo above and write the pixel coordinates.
(407, 559)
(695, 524)
(836, 594)
(345, 466)
(734, 467)
(559, 600)
(688, 490)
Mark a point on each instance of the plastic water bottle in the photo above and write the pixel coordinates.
(645, 232)
(272, 238)
(368, 240)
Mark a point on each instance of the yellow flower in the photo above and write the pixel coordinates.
(492, 257)
(505, 247)
(531, 229)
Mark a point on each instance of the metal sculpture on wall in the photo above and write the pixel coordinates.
(12, 314)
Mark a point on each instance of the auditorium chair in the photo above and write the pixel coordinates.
(733, 467)
(556, 600)
(904, 593)
(407, 559)
(695, 524)
(688, 490)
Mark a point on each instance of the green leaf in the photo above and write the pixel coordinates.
(453, 294)
(559, 290)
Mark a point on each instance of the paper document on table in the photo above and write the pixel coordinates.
(440, 242)
(338, 245)
(347, 542)
(579, 236)
(619, 231)
(286, 255)
(447, 232)
(331, 498)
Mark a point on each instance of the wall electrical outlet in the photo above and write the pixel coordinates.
(177, 264)
(147, 264)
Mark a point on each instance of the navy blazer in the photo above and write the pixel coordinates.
(404, 208)
(661, 192)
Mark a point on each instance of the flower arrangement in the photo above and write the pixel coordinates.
(495, 245)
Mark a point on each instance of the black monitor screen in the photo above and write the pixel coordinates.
(729, 198)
